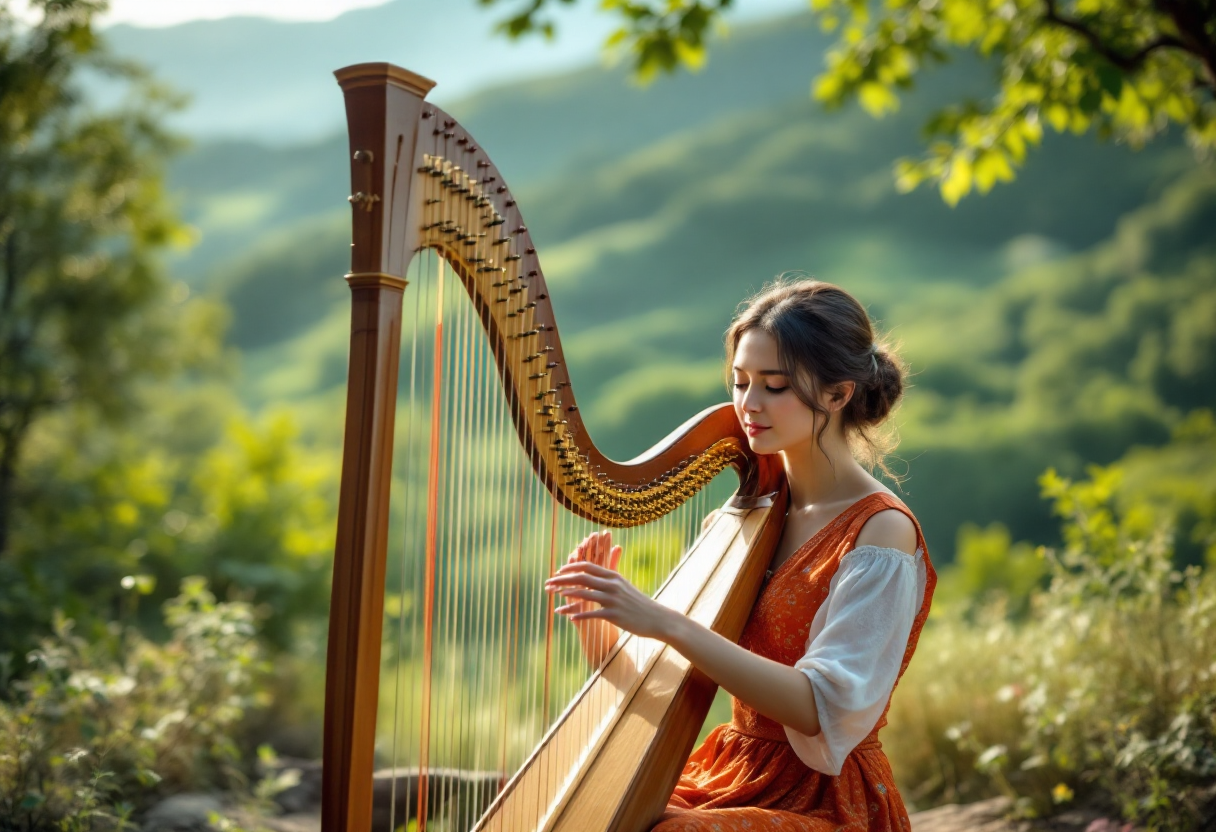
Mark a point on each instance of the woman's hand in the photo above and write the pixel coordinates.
(590, 577)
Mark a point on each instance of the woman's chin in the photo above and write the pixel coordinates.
(763, 444)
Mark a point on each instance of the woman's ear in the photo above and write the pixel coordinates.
(838, 395)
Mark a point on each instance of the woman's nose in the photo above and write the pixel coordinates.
(751, 401)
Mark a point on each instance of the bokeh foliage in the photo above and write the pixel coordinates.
(1125, 69)
(123, 459)
(1105, 693)
(86, 315)
(102, 727)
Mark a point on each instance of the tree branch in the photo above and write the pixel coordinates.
(1192, 28)
(1126, 62)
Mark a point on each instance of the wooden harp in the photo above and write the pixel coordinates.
(513, 738)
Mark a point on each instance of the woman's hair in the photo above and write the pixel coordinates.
(824, 337)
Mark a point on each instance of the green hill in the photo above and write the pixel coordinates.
(656, 212)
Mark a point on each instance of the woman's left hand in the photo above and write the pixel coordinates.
(620, 602)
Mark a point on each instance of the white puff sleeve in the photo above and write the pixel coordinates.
(855, 646)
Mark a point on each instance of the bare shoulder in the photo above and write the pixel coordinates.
(889, 529)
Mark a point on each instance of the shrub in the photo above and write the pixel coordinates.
(99, 730)
(1106, 692)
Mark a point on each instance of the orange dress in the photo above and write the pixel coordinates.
(746, 776)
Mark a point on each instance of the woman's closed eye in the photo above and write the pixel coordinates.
(743, 386)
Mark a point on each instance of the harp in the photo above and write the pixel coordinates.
(461, 421)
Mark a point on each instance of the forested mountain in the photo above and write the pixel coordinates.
(1056, 321)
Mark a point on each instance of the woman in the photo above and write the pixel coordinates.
(843, 603)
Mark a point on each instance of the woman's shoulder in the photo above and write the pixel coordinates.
(889, 528)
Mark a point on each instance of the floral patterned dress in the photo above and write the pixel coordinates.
(746, 775)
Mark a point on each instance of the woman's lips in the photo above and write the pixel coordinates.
(755, 430)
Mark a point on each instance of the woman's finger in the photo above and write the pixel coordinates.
(587, 595)
(587, 567)
(587, 615)
(614, 558)
(581, 579)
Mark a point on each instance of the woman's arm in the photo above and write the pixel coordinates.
(779, 692)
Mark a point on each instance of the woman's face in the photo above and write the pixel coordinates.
(773, 416)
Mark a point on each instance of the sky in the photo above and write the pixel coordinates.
(170, 12)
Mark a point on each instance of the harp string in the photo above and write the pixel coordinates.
(483, 668)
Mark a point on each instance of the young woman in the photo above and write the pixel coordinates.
(844, 601)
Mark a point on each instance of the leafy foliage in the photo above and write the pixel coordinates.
(662, 36)
(85, 313)
(244, 505)
(1106, 693)
(1123, 69)
(101, 728)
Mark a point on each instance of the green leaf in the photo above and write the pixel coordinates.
(877, 99)
(1090, 100)
(1110, 79)
(991, 167)
(957, 182)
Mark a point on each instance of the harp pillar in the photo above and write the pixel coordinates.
(383, 104)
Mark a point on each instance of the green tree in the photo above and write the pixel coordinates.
(1126, 69)
(193, 486)
(86, 314)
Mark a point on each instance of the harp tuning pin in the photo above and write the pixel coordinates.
(541, 296)
(463, 140)
(529, 251)
(365, 156)
(482, 163)
(427, 113)
(510, 203)
(520, 230)
(500, 189)
(572, 408)
(361, 200)
(532, 273)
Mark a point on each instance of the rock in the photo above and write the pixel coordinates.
(989, 816)
(305, 795)
(985, 816)
(298, 822)
(463, 795)
(183, 813)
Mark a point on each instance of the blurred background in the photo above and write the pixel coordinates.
(175, 437)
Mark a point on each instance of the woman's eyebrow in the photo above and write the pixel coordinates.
(760, 372)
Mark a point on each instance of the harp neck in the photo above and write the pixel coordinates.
(419, 180)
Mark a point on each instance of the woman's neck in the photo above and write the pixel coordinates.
(823, 472)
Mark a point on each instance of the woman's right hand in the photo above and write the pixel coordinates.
(596, 548)
(596, 635)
